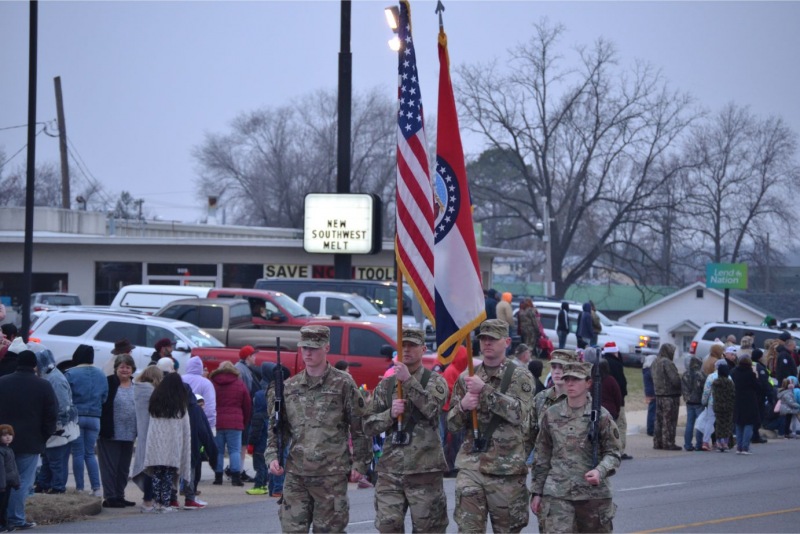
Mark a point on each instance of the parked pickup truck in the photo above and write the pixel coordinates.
(230, 321)
(366, 347)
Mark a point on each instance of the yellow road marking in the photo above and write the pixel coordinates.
(717, 521)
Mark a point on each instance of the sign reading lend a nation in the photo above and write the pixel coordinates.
(726, 275)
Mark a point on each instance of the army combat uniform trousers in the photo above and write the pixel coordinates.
(504, 498)
(591, 515)
(319, 500)
(422, 493)
(666, 421)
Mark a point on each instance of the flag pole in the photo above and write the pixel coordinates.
(400, 437)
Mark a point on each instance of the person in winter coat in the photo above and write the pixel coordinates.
(667, 384)
(714, 355)
(233, 415)
(746, 407)
(692, 382)
(784, 360)
(490, 303)
(27, 403)
(52, 477)
(536, 367)
(597, 325)
(89, 393)
(724, 402)
(202, 386)
(259, 431)
(790, 408)
(9, 476)
(453, 440)
(528, 325)
(767, 396)
(610, 395)
(146, 383)
(617, 370)
(585, 331)
(562, 325)
(649, 392)
(168, 455)
(504, 310)
(117, 433)
(202, 446)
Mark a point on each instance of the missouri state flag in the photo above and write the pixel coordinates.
(457, 281)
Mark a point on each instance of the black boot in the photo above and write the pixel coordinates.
(228, 472)
(217, 479)
(236, 479)
(245, 477)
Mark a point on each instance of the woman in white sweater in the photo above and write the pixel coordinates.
(168, 450)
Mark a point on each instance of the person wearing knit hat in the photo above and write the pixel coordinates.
(27, 403)
(89, 391)
(163, 349)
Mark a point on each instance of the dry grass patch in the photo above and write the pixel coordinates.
(61, 508)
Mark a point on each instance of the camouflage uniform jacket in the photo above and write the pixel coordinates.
(506, 453)
(319, 420)
(424, 454)
(541, 402)
(564, 454)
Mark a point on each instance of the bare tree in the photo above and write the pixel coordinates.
(272, 157)
(591, 142)
(745, 169)
(47, 186)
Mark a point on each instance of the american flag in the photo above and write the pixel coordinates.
(414, 242)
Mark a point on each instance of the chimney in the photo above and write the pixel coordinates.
(212, 210)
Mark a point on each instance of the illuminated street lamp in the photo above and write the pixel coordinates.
(393, 20)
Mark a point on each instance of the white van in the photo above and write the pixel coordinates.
(151, 298)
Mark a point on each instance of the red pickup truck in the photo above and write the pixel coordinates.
(366, 347)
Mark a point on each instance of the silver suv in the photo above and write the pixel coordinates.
(62, 331)
(709, 332)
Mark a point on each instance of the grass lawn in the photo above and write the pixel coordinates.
(635, 399)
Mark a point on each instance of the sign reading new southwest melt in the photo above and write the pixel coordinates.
(726, 275)
(342, 224)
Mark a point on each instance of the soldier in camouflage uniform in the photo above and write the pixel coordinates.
(492, 482)
(667, 382)
(569, 493)
(323, 409)
(410, 476)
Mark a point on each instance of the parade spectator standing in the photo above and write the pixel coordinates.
(9, 476)
(667, 384)
(146, 383)
(451, 441)
(117, 433)
(748, 392)
(247, 359)
(202, 386)
(490, 302)
(27, 403)
(168, 455)
(649, 392)
(724, 394)
(528, 327)
(767, 396)
(585, 331)
(610, 395)
(491, 482)
(504, 310)
(692, 382)
(89, 393)
(234, 408)
(410, 476)
(259, 432)
(163, 349)
(789, 406)
(323, 410)
(536, 367)
(571, 493)
(52, 477)
(597, 325)
(11, 346)
(784, 359)
(617, 369)
(202, 444)
(714, 355)
(562, 325)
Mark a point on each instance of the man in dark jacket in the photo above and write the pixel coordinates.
(768, 394)
(27, 403)
(617, 369)
(785, 366)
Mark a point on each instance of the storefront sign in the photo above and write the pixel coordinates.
(342, 224)
(361, 272)
(726, 275)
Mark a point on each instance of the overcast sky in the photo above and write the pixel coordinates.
(144, 81)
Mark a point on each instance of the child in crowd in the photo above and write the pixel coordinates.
(789, 407)
(259, 431)
(9, 476)
(724, 394)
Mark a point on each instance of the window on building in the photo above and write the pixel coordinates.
(109, 277)
(241, 275)
(699, 293)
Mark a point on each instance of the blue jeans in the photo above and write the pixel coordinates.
(26, 465)
(83, 452)
(55, 468)
(744, 433)
(562, 338)
(233, 440)
(259, 462)
(693, 411)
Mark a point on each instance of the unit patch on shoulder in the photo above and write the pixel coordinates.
(440, 389)
(526, 387)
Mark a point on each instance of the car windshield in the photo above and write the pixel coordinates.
(199, 338)
(294, 308)
(365, 306)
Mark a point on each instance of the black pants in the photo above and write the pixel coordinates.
(115, 464)
(4, 506)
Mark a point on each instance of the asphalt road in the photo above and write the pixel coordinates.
(672, 492)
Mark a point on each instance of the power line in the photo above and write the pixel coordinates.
(87, 174)
(4, 163)
(22, 126)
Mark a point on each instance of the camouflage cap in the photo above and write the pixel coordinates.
(495, 328)
(414, 335)
(314, 336)
(579, 370)
(564, 357)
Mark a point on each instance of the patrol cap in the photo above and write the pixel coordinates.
(579, 370)
(414, 335)
(563, 356)
(314, 336)
(494, 328)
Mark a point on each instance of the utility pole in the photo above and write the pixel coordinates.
(62, 145)
(27, 260)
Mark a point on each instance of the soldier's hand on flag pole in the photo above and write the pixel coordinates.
(470, 401)
(474, 384)
(398, 407)
(401, 371)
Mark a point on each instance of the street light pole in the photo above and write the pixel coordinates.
(548, 253)
(343, 262)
